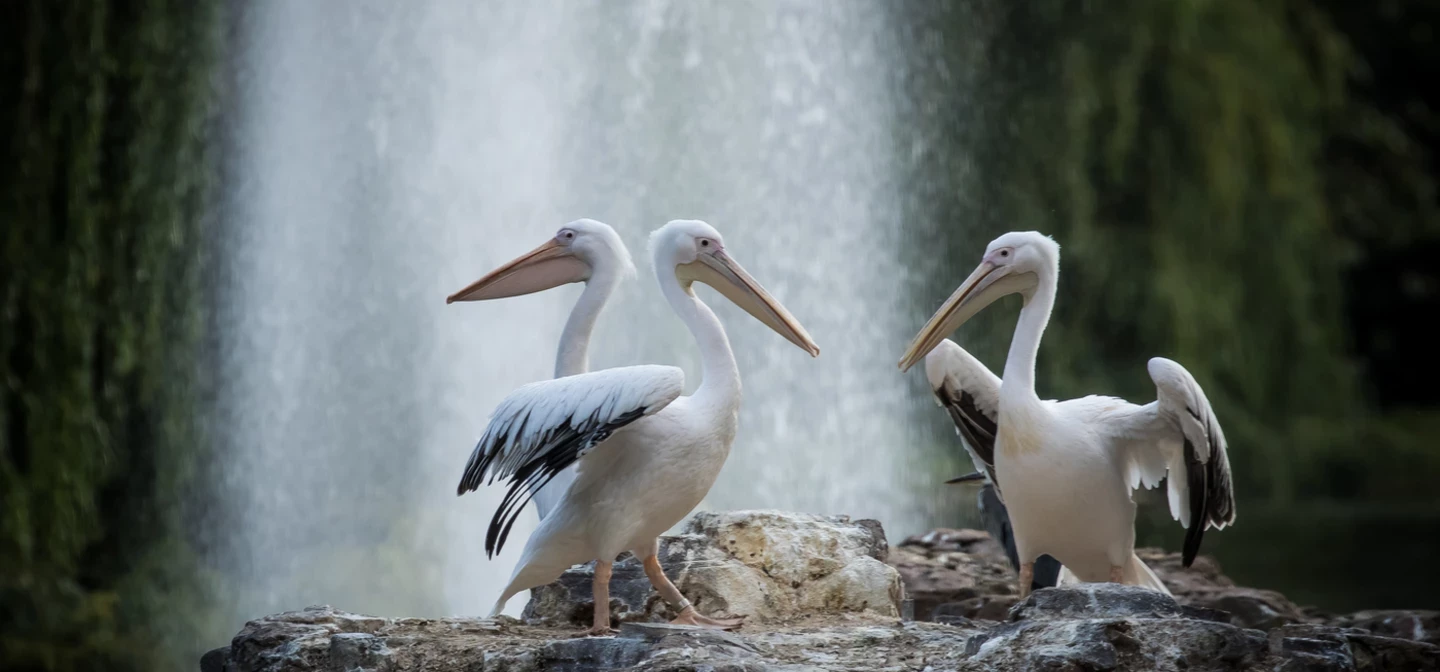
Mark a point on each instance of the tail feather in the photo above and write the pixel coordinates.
(547, 555)
(525, 578)
(1135, 573)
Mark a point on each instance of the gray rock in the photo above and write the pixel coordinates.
(1107, 600)
(765, 565)
(214, 660)
(1419, 625)
(359, 652)
(591, 653)
(1084, 627)
(1089, 627)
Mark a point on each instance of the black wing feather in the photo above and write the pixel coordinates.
(566, 445)
(1211, 499)
(975, 427)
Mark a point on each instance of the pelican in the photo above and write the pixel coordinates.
(644, 455)
(1065, 470)
(582, 251)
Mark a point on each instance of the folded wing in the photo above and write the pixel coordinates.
(542, 428)
(970, 393)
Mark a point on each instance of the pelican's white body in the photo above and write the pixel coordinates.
(1066, 470)
(1064, 487)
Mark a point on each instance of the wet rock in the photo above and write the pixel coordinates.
(765, 565)
(214, 660)
(1419, 625)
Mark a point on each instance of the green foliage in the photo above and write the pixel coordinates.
(1177, 151)
(101, 195)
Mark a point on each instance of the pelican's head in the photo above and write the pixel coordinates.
(1013, 264)
(580, 250)
(695, 252)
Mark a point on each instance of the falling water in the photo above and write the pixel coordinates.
(383, 154)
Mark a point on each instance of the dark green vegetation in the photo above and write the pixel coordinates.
(104, 108)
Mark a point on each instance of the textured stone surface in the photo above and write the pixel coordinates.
(1419, 625)
(766, 565)
(813, 581)
(1090, 627)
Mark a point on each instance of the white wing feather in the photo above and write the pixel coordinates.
(1178, 436)
(542, 428)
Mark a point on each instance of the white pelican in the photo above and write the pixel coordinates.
(582, 251)
(644, 455)
(1065, 470)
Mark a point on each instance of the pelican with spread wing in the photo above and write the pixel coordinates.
(582, 251)
(644, 455)
(1065, 470)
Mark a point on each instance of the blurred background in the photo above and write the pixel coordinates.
(229, 384)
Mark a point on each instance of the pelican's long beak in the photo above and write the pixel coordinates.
(967, 478)
(544, 267)
(988, 283)
(718, 270)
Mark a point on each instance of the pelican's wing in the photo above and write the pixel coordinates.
(971, 394)
(1178, 434)
(542, 428)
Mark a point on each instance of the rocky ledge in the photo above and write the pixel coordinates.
(824, 593)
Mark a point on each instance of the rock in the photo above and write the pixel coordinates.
(1203, 585)
(358, 651)
(813, 584)
(957, 567)
(1419, 625)
(1105, 600)
(766, 565)
(1090, 627)
(1106, 626)
(214, 660)
(969, 570)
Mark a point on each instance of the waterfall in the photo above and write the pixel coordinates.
(383, 155)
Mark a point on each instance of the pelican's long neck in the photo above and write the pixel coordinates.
(1019, 380)
(574, 354)
(720, 381)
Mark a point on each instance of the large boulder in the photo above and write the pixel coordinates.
(768, 566)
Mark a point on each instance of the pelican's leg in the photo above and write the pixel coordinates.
(1117, 574)
(1027, 577)
(671, 594)
(601, 588)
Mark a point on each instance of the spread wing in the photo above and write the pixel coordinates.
(542, 428)
(971, 395)
(1178, 434)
